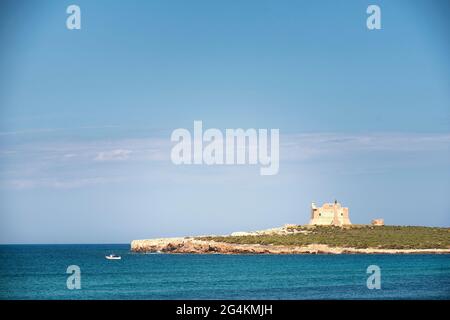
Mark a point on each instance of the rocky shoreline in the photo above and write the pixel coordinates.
(213, 245)
(198, 246)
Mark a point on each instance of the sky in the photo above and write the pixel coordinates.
(86, 115)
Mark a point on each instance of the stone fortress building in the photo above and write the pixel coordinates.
(329, 214)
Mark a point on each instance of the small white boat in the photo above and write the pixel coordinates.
(113, 257)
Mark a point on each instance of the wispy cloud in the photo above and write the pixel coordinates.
(75, 164)
(56, 183)
(52, 130)
(315, 145)
(113, 155)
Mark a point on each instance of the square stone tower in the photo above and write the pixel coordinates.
(330, 214)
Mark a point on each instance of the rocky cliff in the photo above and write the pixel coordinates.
(223, 245)
(191, 245)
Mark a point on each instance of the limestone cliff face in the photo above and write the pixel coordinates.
(190, 245)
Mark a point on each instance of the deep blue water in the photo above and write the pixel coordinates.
(39, 272)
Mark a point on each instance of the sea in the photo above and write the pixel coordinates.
(41, 272)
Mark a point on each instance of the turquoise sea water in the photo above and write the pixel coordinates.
(39, 272)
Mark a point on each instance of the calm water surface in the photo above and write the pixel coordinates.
(39, 272)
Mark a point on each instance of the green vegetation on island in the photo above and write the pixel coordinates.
(355, 236)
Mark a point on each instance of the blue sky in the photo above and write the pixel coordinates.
(86, 115)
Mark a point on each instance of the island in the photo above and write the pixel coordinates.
(329, 232)
(291, 239)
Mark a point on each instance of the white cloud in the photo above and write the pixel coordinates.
(68, 164)
(113, 155)
(314, 145)
(65, 183)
